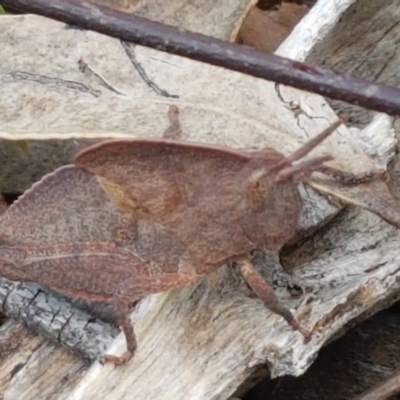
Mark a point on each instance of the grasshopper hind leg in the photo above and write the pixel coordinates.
(123, 317)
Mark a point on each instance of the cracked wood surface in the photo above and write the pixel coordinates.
(179, 332)
(54, 318)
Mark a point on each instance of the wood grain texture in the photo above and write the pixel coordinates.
(367, 47)
(220, 21)
(36, 368)
(312, 28)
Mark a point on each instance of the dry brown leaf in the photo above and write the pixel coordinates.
(266, 30)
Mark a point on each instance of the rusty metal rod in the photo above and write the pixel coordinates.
(231, 56)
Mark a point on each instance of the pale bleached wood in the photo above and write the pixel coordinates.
(202, 342)
(222, 22)
(17, 345)
(35, 367)
(48, 373)
(312, 28)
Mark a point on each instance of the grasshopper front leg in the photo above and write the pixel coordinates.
(266, 293)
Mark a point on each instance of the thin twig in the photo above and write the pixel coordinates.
(231, 56)
(383, 390)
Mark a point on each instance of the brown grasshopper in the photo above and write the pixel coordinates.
(65, 234)
(136, 217)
